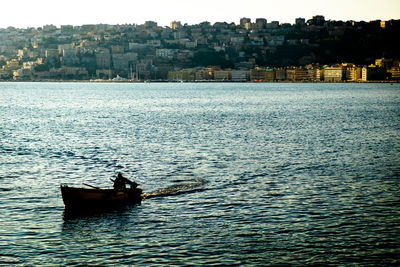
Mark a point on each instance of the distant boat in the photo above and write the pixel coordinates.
(97, 198)
(119, 79)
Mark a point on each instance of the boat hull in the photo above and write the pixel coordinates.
(83, 198)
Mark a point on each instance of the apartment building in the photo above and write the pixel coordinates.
(297, 74)
(334, 74)
(353, 74)
(103, 59)
(222, 75)
(239, 75)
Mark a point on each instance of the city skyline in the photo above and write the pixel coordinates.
(316, 51)
(44, 12)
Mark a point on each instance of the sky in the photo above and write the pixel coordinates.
(29, 13)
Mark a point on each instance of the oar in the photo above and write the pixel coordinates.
(95, 187)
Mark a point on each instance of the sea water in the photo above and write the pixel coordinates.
(246, 174)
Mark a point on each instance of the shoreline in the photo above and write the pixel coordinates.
(202, 81)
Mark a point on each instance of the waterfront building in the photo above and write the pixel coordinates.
(280, 74)
(186, 75)
(22, 75)
(103, 73)
(269, 75)
(302, 75)
(314, 74)
(257, 75)
(291, 74)
(239, 75)
(120, 62)
(353, 74)
(222, 75)
(203, 75)
(73, 72)
(334, 74)
(297, 75)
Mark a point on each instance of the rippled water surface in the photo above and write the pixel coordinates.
(263, 174)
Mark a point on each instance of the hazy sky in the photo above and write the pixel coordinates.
(24, 13)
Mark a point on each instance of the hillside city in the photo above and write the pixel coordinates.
(314, 50)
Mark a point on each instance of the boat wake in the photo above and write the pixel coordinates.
(176, 189)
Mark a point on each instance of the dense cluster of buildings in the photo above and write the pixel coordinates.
(202, 52)
(310, 73)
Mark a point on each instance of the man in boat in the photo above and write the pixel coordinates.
(120, 183)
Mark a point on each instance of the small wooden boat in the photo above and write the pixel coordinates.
(81, 198)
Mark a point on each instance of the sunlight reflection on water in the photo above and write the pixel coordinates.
(284, 173)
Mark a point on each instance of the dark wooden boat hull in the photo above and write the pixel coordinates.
(83, 198)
